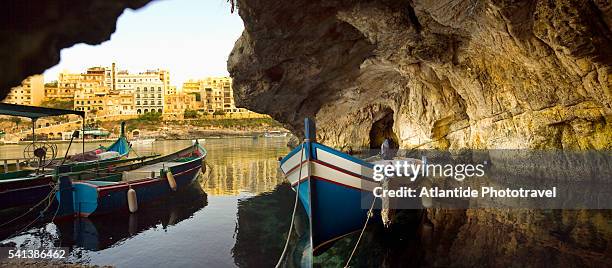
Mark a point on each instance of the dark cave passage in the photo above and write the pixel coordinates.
(383, 129)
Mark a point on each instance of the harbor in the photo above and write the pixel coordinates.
(207, 213)
(234, 133)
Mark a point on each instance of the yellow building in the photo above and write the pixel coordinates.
(120, 103)
(56, 92)
(213, 94)
(92, 100)
(176, 104)
(171, 90)
(31, 92)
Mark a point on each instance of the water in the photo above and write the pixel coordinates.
(236, 216)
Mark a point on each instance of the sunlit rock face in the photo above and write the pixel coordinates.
(34, 32)
(451, 74)
(454, 74)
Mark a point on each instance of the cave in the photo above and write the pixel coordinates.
(564, 45)
(383, 129)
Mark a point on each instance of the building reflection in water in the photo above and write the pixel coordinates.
(250, 167)
(253, 176)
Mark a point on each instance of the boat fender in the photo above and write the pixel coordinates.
(171, 180)
(132, 200)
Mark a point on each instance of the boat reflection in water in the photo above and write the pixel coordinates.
(261, 231)
(98, 233)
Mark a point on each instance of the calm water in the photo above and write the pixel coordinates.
(237, 215)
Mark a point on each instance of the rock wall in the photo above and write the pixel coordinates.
(455, 74)
(452, 74)
(34, 31)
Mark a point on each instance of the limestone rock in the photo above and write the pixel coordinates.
(452, 74)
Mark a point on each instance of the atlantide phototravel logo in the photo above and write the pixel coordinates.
(494, 179)
(459, 172)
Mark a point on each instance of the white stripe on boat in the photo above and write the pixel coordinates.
(293, 161)
(343, 163)
(331, 174)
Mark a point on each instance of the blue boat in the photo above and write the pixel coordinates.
(334, 188)
(143, 182)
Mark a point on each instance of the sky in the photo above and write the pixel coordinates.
(190, 38)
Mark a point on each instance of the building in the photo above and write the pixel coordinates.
(149, 97)
(176, 104)
(31, 92)
(171, 90)
(217, 94)
(120, 103)
(92, 99)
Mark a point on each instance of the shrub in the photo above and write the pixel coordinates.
(190, 114)
(150, 117)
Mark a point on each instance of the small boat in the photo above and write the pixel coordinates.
(200, 141)
(143, 141)
(275, 134)
(26, 187)
(98, 233)
(334, 188)
(141, 183)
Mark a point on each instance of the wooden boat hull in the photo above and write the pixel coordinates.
(30, 190)
(335, 189)
(98, 233)
(19, 193)
(96, 198)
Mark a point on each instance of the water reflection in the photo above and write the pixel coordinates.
(251, 166)
(99, 233)
(236, 215)
(243, 175)
(261, 230)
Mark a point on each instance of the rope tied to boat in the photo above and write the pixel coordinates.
(49, 198)
(370, 215)
(297, 194)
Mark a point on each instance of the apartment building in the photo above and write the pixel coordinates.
(149, 97)
(30, 92)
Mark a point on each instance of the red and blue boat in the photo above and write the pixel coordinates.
(140, 184)
(335, 189)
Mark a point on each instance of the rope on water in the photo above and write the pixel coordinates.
(370, 214)
(49, 198)
(53, 185)
(295, 204)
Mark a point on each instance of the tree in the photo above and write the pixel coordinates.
(219, 112)
(190, 114)
(17, 121)
(58, 103)
(150, 117)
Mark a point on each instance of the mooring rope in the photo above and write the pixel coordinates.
(370, 214)
(297, 194)
(50, 201)
(52, 192)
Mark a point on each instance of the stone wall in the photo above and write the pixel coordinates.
(452, 74)
(456, 74)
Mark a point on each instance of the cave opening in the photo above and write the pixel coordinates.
(383, 129)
